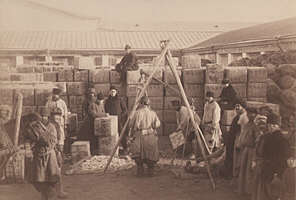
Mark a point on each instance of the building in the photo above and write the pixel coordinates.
(247, 42)
(105, 48)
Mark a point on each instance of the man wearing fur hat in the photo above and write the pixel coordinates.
(210, 122)
(127, 63)
(144, 146)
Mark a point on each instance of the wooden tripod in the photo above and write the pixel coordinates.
(165, 53)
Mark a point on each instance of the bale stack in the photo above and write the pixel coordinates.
(76, 94)
(80, 150)
(257, 87)
(106, 128)
(191, 61)
(100, 80)
(15, 168)
(238, 77)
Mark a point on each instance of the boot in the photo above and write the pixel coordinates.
(61, 193)
(140, 167)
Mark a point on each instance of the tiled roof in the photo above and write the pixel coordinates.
(258, 32)
(97, 40)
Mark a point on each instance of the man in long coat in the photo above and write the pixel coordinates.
(115, 105)
(247, 144)
(144, 148)
(45, 168)
(228, 97)
(270, 161)
(210, 122)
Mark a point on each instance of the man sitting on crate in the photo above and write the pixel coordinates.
(127, 63)
(210, 122)
(185, 125)
(144, 140)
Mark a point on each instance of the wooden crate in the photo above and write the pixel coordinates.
(274, 107)
(114, 77)
(76, 88)
(133, 77)
(257, 74)
(28, 109)
(25, 69)
(169, 116)
(177, 139)
(15, 168)
(78, 110)
(168, 102)
(263, 99)
(131, 90)
(28, 94)
(168, 92)
(169, 77)
(99, 76)
(28, 77)
(42, 95)
(84, 62)
(106, 126)
(81, 75)
(214, 75)
(257, 90)
(50, 76)
(215, 88)
(4, 76)
(193, 76)
(66, 76)
(77, 100)
(236, 74)
(191, 61)
(104, 88)
(155, 90)
(227, 117)
(194, 90)
(80, 150)
(241, 89)
(6, 96)
(107, 144)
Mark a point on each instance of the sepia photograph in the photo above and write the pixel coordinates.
(147, 100)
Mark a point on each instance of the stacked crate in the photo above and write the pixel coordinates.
(99, 79)
(15, 168)
(76, 93)
(169, 112)
(80, 150)
(214, 75)
(106, 128)
(238, 79)
(193, 81)
(257, 85)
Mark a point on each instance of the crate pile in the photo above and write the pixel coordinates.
(80, 150)
(106, 128)
(15, 168)
(257, 84)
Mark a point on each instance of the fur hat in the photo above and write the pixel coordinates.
(144, 100)
(100, 96)
(127, 46)
(112, 87)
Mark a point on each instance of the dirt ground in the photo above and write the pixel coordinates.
(125, 185)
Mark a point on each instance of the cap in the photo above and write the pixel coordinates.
(144, 100)
(225, 81)
(100, 96)
(209, 94)
(241, 102)
(112, 87)
(56, 111)
(127, 46)
(56, 91)
(91, 91)
(45, 112)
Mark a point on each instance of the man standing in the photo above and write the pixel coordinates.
(210, 122)
(57, 102)
(185, 125)
(115, 105)
(45, 168)
(229, 140)
(127, 63)
(228, 97)
(144, 146)
(270, 161)
(247, 142)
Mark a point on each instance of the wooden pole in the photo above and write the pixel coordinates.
(162, 55)
(19, 108)
(196, 128)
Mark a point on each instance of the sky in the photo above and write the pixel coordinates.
(181, 10)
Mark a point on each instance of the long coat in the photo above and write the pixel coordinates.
(269, 160)
(45, 166)
(117, 106)
(143, 126)
(228, 97)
